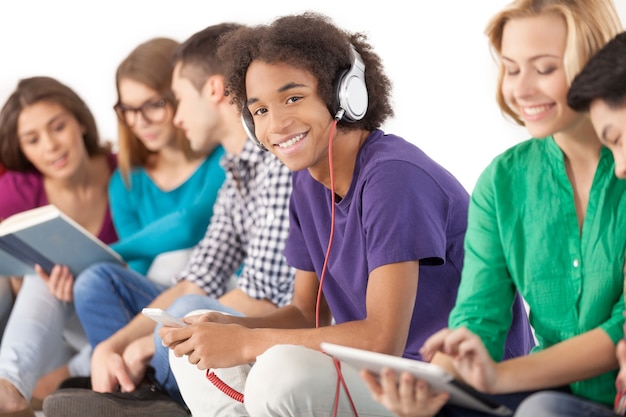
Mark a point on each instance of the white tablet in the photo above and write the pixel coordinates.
(440, 380)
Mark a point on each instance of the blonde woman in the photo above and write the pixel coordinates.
(546, 218)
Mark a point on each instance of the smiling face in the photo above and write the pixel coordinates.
(51, 139)
(290, 118)
(534, 83)
(610, 126)
(154, 134)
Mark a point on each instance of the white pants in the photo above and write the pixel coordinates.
(286, 380)
(41, 335)
(6, 302)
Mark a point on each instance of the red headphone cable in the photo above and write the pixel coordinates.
(340, 379)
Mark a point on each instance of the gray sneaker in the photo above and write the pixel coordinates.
(145, 401)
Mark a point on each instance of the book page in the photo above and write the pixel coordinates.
(28, 218)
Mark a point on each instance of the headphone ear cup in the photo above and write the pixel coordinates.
(248, 126)
(352, 91)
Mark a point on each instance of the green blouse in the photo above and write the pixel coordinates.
(523, 234)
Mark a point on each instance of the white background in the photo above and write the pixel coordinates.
(435, 53)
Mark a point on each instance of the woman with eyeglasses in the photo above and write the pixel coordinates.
(162, 193)
(52, 151)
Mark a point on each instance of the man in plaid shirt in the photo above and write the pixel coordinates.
(246, 237)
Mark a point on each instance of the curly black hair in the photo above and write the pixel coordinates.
(311, 42)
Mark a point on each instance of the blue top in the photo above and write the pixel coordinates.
(150, 221)
(401, 206)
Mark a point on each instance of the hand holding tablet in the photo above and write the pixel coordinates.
(461, 394)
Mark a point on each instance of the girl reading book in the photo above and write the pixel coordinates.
(50, 146)
(161, 196)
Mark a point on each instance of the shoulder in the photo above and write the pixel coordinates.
(515, 159)
(213, 161)
(390, 156)
(20, 191)
(508, 180)
(216, 155)
(273, 167)
(137, 178)
(21, 181)
(523, 150)
(387, 148)
(116, 177)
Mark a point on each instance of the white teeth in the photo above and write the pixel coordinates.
(535, 110)
(289, 143)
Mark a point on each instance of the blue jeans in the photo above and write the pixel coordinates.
(559, 404)
(118, 294)
(108, 296)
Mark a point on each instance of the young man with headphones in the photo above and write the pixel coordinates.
(370, 215)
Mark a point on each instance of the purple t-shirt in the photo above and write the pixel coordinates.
(20, 191)
(401, 206)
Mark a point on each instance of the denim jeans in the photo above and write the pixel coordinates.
(108, 296)
(559, 404)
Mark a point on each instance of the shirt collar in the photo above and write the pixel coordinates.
(250, 155)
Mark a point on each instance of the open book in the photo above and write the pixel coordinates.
(461, 394)
(46, 236)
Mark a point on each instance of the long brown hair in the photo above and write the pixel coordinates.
(33, 90)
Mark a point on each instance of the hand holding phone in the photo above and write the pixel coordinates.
(163, 317)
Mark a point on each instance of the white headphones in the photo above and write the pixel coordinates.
(351, 97)
(351, 90)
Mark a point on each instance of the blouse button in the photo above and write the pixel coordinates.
(576, 263)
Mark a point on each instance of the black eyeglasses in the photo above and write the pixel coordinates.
(152, 112)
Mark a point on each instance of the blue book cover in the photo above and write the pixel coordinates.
(47, 237)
